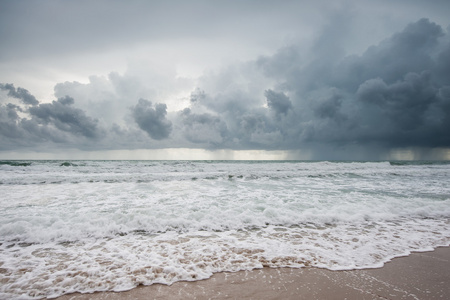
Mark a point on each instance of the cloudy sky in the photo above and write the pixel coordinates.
(225, 79)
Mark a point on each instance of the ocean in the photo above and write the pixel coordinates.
(85, 226)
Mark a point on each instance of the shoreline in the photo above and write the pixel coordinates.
(420, 275)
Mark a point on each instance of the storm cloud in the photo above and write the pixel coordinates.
(152, 119)
(203, 128)
(278, 102)
(65, 117)
(393, 94)
(57, 122)
(19, 93)
(333, 92)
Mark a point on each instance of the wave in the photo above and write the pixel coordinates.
(74, 172)
(14, 163)
(110, 225)
(418, 162)
(68, 164)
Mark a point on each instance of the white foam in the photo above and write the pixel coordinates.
(114, 225)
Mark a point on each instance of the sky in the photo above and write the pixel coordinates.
(306, 80)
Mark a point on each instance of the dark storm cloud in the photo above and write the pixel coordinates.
(39, 124)
(203, 128)
(278, 102)
(405, 103)
(66, 118)
(8, 120)
(152, 119)
(19, 93)
(394, 94)
(411, 50)
(399, 84)
(329, 106)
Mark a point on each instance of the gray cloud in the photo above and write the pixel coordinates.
(258, 130)
(8, 120)
(65, 117)
(19, 93)
(47, 123)
(278, 102)
(405, 103)
(394, 94)
(411, 50)
(152, 119)
(203, 128)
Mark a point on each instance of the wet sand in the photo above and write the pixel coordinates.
(424, 275)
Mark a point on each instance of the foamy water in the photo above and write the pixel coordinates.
(87, 226)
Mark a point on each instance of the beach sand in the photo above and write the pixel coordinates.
(424, 275)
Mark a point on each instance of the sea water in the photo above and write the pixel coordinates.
(85, 226)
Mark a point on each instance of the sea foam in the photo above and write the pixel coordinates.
(111, 225)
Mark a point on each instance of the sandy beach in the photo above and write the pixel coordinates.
(423, 275)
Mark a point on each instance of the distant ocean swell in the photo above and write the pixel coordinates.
(87, 226)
